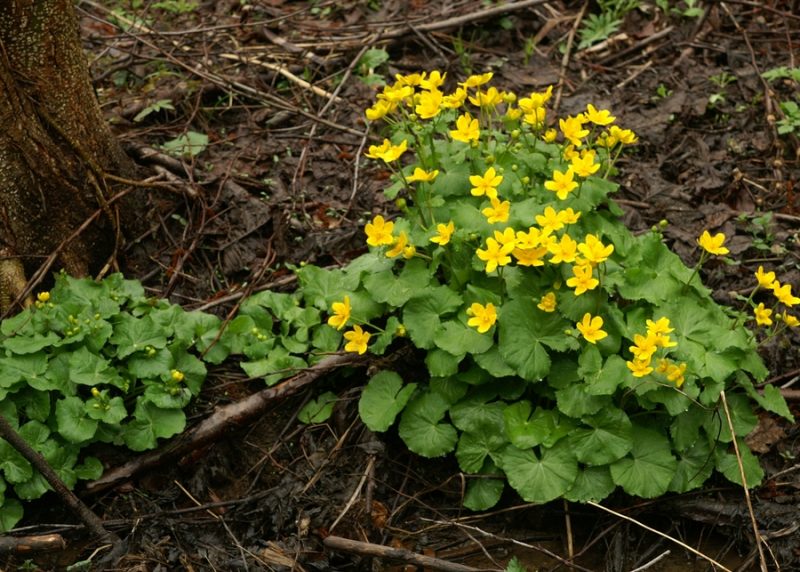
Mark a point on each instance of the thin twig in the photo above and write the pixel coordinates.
(661, 534)
(757, 535)
(562, 72)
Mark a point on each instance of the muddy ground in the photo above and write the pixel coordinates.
(278, 88)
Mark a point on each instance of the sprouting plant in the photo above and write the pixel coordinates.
(721, 80)
(662, 92)
(154, 107)
(460, 48)
(685, 8)
(790, 122)
(562, 352)
(600, 26)
(369, 62)
(176, 6)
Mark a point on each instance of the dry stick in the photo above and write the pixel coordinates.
(545, 551)
(356, 493)
(568, 526)
(223, 418)
(26, 545)
(647, 565)
(381, 551)
(661, 534)
(758, 538)
(565, 60)
(35, 458)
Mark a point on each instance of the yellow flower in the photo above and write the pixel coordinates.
(357, 340)
(409, 251)
(550, 135)
(379, 232)
(411, 79)
(532, 238)
(582, 281)
(495, 254)
(784, 294)
(660, 326)
(513, 113)
(477, 80)
(380, 109)
(490, 98)
(536, 117)
(485, 184)
(387, 151)
(530, 256)
(536, 100)
(591, 328)
(396, 93)
(507, 236)
(713, 244)
(564, 250)
(96, 392)
(765, 279)
(445, 231)
(675, 374)
(585, 165)
(790, 320)
(433, 81)
(644, 347)
(498, 212)
(422, 175)
(399, 246)
(43, 297)
(429, 104)
(467, 129)
(483, 317)
(548, 302)
(341, 313)
(549, 220)
(624, 136)
(598, 117)
(762, 315)
(594, 250)
(562, 183)
(569, 216)
(572, 129)
(639, 367)
(455, 99)
(176, 375)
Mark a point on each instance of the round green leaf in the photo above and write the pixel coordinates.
(649, 468)
(382, 399)
(543, 478)
(421, 428)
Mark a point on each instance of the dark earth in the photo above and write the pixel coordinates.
(280, 89)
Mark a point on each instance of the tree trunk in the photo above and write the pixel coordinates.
(55, 148)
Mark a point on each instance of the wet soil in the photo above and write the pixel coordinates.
(277, 87)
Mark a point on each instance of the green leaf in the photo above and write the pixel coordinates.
(728, 465)
(685, 428)
(33, 488)
(458, 338)
(187, 145)
(514, 565)
(485, 492)
(592, 484)
(193, 370)
(422, 429)
(743, 419)
(22, 344)
(397, 290)
(135, 334)
(695, 465)
(576, 401)
(649, 468)
(10, 514)
(28, 367)
(372, 58)
(524, 333)
(493, 363)
(542, 478)
(771, 400)
(474, 448)
(90, 470)
(609, 438)
(422, 314)
(276, 366)
(14, 466)
(166, 396)
(150, 424)
(441, 363)
(112, 412)
(382, 399)
(318, 410)
(72, 421)
(321, 287)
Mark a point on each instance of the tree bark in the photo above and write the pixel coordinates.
(55, 148)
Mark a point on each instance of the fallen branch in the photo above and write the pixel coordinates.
(25, 545)
(388, 552)
(222, 419)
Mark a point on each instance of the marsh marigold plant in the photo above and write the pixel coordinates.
(560, 350)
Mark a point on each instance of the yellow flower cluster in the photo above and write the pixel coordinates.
(419, 97)
(381, 233)
(645, 347)
(783, 295)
